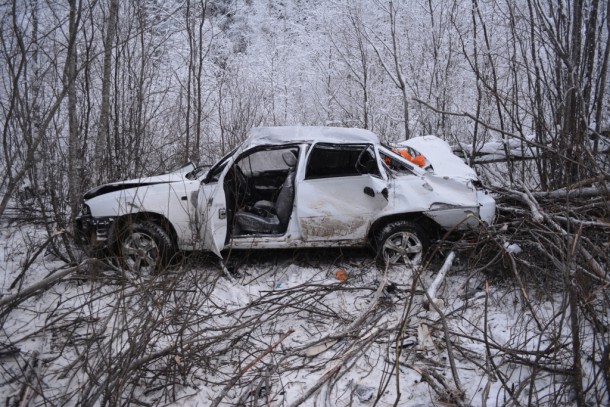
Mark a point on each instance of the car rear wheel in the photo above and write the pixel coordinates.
(402, 242)
(144, 248)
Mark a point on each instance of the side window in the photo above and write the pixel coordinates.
(395, 162)
(264, 161)
(328, 161)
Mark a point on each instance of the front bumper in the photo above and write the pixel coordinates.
(93, 231)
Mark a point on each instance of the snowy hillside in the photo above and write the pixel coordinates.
(98, 92)
(290, 328)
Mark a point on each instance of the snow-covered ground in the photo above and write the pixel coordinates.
(281, 329)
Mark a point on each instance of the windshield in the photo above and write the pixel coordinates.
(198, 172)
(215, 171)
(184, 168)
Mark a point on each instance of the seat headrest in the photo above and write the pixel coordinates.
(289, 158)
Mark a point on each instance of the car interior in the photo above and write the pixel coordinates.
(260, 186)
(328, 161)
(260, 191)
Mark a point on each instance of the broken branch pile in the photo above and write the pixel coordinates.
(554, 247)
(563, 228)
(518, 316)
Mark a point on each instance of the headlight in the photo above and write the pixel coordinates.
(85, 210)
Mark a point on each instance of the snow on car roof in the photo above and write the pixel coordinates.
(296, 134)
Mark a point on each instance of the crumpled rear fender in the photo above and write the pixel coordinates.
(449, 203)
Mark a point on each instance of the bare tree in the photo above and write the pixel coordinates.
(101, 144)
(239, 108)
(353, 51)
(29, 114)
(391, 56)
(74, 150)
(195, 20)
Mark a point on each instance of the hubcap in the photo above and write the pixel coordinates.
(404, 246)
(140, 253)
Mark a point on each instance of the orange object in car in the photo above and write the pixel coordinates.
(405, 154)
(419, 160)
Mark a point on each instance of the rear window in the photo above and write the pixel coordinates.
(328, 161)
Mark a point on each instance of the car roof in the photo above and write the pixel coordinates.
(308, 134)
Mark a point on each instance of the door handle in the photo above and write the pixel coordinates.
(369, 191)
(222, 213)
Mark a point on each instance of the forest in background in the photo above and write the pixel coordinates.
(94, 91)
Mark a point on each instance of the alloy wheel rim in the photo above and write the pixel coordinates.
(405, 246)
(140, 253)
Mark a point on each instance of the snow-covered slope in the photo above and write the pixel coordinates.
(281, 331)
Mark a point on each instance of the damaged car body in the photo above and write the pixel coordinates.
(292, 187)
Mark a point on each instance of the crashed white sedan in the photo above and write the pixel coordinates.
(290, 187)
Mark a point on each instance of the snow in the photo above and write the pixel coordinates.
(211, 329)
(497, 149)
(439, 154)
(296, 134)
(512, 248)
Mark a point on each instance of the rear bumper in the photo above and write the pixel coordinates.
(458, 218)
(464, 217)
(487, 209)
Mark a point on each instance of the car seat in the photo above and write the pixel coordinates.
(268, 217)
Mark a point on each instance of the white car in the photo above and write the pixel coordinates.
(292, 187)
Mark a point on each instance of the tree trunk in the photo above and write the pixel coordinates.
(399, 76)
(102, 136)
(74, 160)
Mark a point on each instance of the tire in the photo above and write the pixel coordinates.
(404, 241)
(144, 248)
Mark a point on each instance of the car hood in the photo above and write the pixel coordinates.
(134, 183)
(438, 152)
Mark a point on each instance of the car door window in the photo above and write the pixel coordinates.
(259, 174)
(264, 161)
(394, 163)
(331, 161)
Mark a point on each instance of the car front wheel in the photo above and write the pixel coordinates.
(402, 242)
(144, 248)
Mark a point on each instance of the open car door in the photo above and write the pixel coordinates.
(213, 212)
